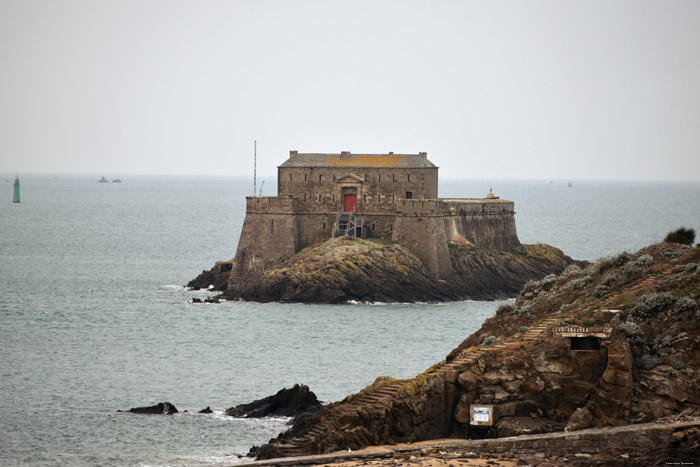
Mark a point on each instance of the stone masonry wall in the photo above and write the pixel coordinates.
(268, 237)
(320, 189)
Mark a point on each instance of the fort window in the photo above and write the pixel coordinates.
(272, 226)
(324, 226)
(393, 198)
(320, 177)
(585, 343)
(393, 177)
(379, 199)
(304, 197)
(319, 197)
(372, 226)
(334, 197)
(380, 177)
(409, 195)
(364, 198)
(304, 177)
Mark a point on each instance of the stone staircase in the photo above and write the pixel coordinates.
(471, 355)
(299, 445)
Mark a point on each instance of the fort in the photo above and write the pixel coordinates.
(392, 196)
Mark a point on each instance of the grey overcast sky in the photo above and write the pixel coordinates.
(490, 89)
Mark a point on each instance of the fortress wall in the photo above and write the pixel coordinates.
(486, 223)
(269, 236)
(425, 237)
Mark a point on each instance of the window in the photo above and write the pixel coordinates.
(290, 177)
(393, 198)
(320, 177)
(409, 177)
(272, 226)
(304, 177)
(379, 199)
(324, 226)
(304, 197)
(380, 177)
(364, 198)
(319, 197)
(409, 195)
(393, 177)
(334, 197)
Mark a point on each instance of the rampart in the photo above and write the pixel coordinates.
(276, 227)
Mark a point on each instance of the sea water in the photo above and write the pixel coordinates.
(94, 317)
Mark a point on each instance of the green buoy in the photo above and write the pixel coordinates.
(16, 198)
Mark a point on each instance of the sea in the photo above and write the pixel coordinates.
(95, 318)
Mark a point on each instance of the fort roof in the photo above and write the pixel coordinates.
(346, 159)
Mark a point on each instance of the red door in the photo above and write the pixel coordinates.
(349, 203)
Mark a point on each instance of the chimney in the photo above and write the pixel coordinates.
(293, 153)
(345, 153)
(423, 154)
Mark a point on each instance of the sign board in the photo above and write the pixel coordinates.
(482, 415)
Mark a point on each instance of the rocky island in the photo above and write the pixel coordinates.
(610, 351)
(370, 227)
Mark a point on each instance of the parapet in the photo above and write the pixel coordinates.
(271, 204)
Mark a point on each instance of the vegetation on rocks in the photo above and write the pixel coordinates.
(682, 235)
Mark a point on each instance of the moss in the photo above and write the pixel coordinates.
(381, 241)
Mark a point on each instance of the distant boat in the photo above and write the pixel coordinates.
(570, 185)
(102, 180)
(116, 180)
(551, 181)
(16, 198)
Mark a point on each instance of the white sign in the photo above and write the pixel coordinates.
(482, 414)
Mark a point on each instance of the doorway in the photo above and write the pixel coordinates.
(349, 202)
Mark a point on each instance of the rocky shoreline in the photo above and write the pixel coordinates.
(614, 344)
(375, 270)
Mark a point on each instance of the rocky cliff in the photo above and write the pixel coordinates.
(343, 269)
(614, 343)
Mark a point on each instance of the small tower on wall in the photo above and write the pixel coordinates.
(16, 198)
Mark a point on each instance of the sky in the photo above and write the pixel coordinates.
(556, 89)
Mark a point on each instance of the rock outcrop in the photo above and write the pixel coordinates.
(374, 270)
(162, 408)
(293, 402)
(215, 279)
(614, 343)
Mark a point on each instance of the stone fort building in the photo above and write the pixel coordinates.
(393, 196)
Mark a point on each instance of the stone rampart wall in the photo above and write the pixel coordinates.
(269, 236)
(276, 227)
